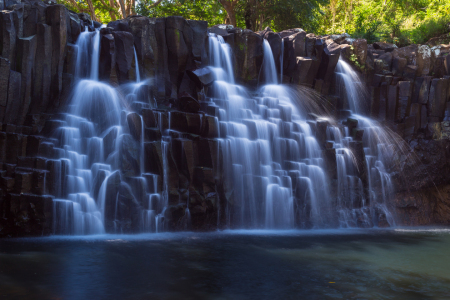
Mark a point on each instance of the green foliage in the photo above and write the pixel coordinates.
(277, 14)
(207, 10)
(397, 21)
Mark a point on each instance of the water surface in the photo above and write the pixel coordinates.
(314, 264)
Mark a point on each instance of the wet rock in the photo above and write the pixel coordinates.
(185, 122)
(199, 34)
(201, 77)
(119, 25)
(310, 41)
(129, 156)
(149, 118)
(127, 212)
(5, 67)
(392, 103)
(26, 49)
(56, 18)
(152, 134)
(13, 111)
(210, 127)
(134, 122)
(22, 182)
(29, 215)
(249, 55)
(8, 35)
(185, 157)
(187, 103)
(124, 54)
(302, 70)
(42, 68)
(329, 60)
(179, 46)
(154, 159)
(107, 61)
(374, 101)
(75, 27)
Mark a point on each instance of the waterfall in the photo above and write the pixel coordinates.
(136, 62)
(88, 186)
(270, 70)
(356, 206)
(350, 87)
(270, 153)
(281, 61)
(273, 160)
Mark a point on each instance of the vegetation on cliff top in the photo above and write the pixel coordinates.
(397, 21)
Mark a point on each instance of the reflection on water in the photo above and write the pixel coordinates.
(325, 264)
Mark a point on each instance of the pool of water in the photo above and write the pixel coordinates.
(405, 263)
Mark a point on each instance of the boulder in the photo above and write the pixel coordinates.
(360, 50)
(388, 47)
(119, 25)
(201, 77)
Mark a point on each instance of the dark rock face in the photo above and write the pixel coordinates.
(248, 52)
(124, 54)
(56, 19)
(129, 156)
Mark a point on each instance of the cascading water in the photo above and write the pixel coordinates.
(81, 154)
(272, 161)
(357, 207)
(89, 153)
(270, 154)
(269, 68)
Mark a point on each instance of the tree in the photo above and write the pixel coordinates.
(106, 10)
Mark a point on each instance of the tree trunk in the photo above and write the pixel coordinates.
(133, 7)
(248, 17)
(122, 9)
(92, 10)
(74, 3)
(229, 7)
(112, 14)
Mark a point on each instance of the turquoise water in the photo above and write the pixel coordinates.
(314, 264)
